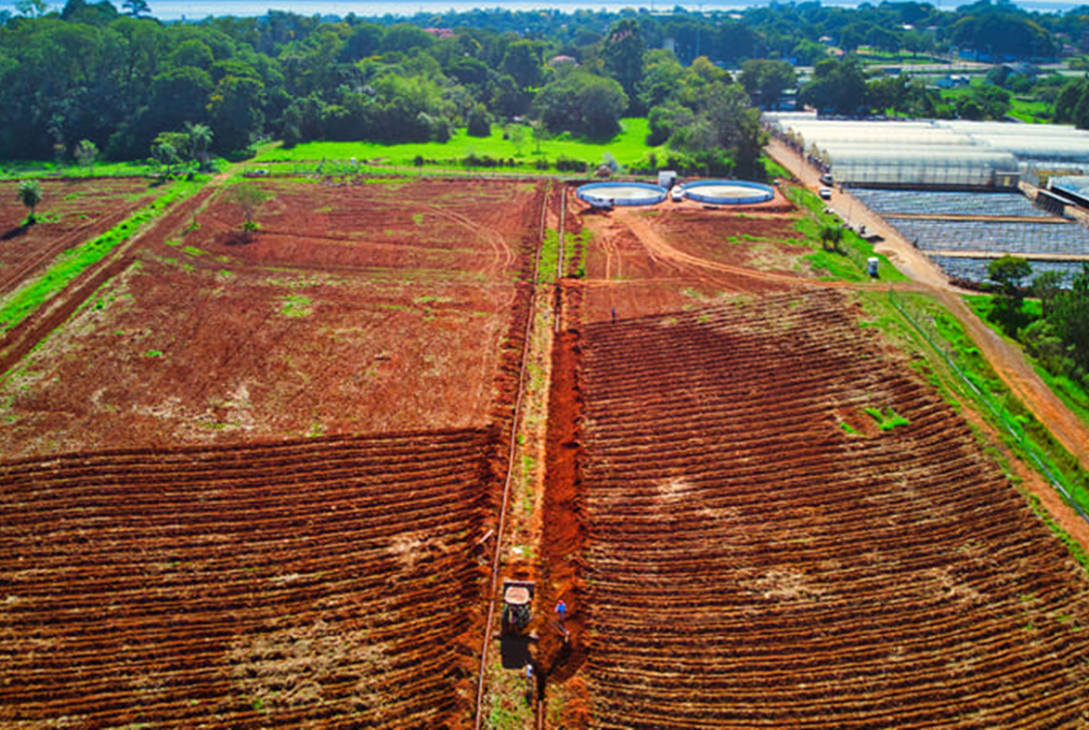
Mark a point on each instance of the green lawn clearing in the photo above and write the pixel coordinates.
(514, 144)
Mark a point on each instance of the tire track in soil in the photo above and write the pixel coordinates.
(17, 274)
(504, 255)
(17, 342)
(660, 250)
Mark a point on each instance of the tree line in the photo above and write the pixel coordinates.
(1059, 335)
(91, 81)
(113, 82)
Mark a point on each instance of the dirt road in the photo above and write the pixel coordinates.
(1006, 359)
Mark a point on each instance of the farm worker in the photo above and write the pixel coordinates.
(529, 683)
(561, 610)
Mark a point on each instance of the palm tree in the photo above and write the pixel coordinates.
(831, 234)
(200, 139)
(30, 194)
(86, 153)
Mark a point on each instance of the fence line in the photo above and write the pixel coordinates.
(998, 411)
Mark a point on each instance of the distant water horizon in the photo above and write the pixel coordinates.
(174, 10)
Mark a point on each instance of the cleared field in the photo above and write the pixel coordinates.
(329, 583)
(356, 309)
(674, 256)
(72, 211)
(787, 529)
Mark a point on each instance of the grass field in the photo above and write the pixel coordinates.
(20, 169)
(512, 142)
(1031, 110)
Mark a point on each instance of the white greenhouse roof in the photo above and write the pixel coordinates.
(875, 152)
(1076, 185)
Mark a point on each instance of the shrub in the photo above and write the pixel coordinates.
(566, 164)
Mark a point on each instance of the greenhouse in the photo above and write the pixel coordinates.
(918, 165)
(1074, 188)
(931, 153)
(1036, 143)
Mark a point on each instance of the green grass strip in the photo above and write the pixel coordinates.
(1072, 392)
(1017, 425)
(512, 142)
(849, 263)
(73, 262)
(20, 170)
(550, 257)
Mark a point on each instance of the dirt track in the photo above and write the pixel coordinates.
(1006, 359)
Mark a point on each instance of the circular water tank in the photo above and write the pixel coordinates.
(621, 193)
(728, 192)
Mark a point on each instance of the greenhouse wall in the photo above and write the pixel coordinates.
(919, 165)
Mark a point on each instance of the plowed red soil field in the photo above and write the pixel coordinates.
(786, 528)
(356, 309)
(328, 583)
(642, 261)
(71, 212)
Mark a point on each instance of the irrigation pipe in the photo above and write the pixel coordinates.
(493, 590)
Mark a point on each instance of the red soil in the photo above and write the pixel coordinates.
(665, 258)
(395, 308)
(327, 583)
(73, 211)
(751, 562)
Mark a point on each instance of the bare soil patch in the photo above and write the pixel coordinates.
(672, 257)
(71, 212)
(355, 309)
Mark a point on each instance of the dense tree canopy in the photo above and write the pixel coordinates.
(582, 102)
(1060, 337)
(118, 78)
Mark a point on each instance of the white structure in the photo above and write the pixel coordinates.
(955, 153)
